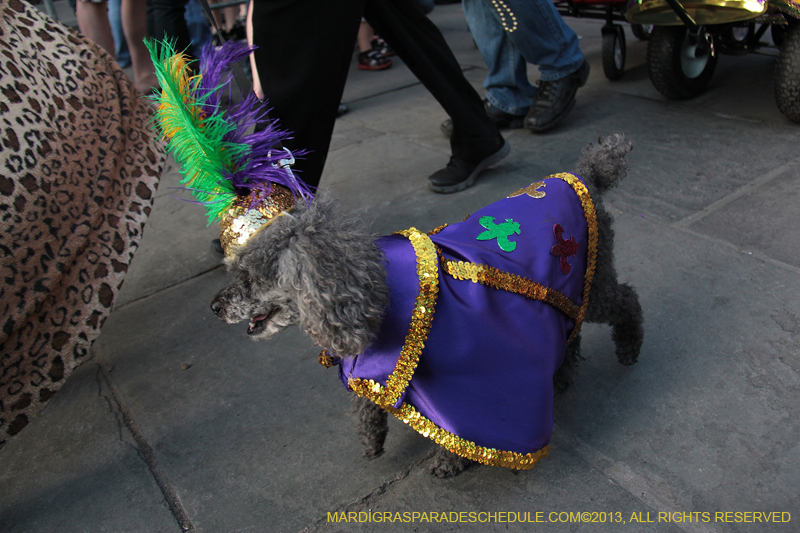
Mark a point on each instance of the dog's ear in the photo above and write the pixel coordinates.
(334, 268)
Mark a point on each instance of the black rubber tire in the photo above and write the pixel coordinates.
(665, 64)
(641, 32)
(787, 75)
(613, 51)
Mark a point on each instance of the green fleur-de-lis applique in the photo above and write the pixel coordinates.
(501, 232)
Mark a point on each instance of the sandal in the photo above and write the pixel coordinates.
(372, 60)
(382, 47)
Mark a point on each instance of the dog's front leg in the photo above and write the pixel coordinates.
(447, 464)
(371, 426)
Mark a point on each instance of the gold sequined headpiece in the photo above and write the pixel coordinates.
(250, 214)
(241, 175)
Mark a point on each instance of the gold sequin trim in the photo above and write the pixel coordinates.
(325, 359)
(420, 325)
(505, 15)
(436, 230)
(493, 277)
(454, 443)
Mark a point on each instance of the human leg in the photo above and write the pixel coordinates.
(120, 46)
(507, 85)
(169, 22)
(93, 23)
(302, 81)
(134, 24)
(541, 36)
(421, 46)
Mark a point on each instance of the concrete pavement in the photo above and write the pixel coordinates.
(179, 422)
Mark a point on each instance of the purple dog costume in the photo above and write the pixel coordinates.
(481, 312)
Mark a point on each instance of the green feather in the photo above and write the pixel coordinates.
(194, 138)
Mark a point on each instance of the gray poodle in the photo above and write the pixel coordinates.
(325, 271)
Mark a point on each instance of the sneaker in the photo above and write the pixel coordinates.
(382, 47)
(501, 119)
(372, 60)
(554, 100)
(459, 174)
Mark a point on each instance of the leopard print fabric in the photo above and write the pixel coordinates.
(79, 167)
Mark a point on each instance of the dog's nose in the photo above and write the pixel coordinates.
(216, 306)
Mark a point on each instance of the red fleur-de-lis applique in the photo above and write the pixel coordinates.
(564, 248)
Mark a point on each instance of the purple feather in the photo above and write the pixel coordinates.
(260, 166)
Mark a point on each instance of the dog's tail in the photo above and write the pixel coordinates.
(604, 165)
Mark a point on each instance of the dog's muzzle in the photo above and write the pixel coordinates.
(216, 306)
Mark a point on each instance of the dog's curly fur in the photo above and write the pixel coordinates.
(323, 270)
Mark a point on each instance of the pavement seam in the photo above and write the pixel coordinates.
(744, 190)
(157, 292)
(147, 454)
(624, 476)
(756, 254)
(364, 500)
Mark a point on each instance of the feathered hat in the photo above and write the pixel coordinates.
(244, 179)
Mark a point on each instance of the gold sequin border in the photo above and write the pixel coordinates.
(499, 279)
(454, 443)
(419, 326)
(591, 254)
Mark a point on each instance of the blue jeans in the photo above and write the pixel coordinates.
(120, 44)
(541, 37)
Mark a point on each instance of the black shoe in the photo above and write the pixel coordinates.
(459, 174)
(343, 108)
(501, 119)
(554, 100)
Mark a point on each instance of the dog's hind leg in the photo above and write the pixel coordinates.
(371, 426)
(619, 307)
(562, 379)
(448, 464)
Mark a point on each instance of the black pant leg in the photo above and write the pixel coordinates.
(169, 22)
(421, 46)
(304, 52)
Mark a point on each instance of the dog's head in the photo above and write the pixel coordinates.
(314, 268)
(256, 294)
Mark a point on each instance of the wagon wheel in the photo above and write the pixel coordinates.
(679, 65)
(642, 31)
(613, 51)
(787, 75)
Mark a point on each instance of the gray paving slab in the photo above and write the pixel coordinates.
(78, 469)
(761, 217)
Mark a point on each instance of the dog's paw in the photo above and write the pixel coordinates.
(628, 357)
(370, 454)
(448, 464)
